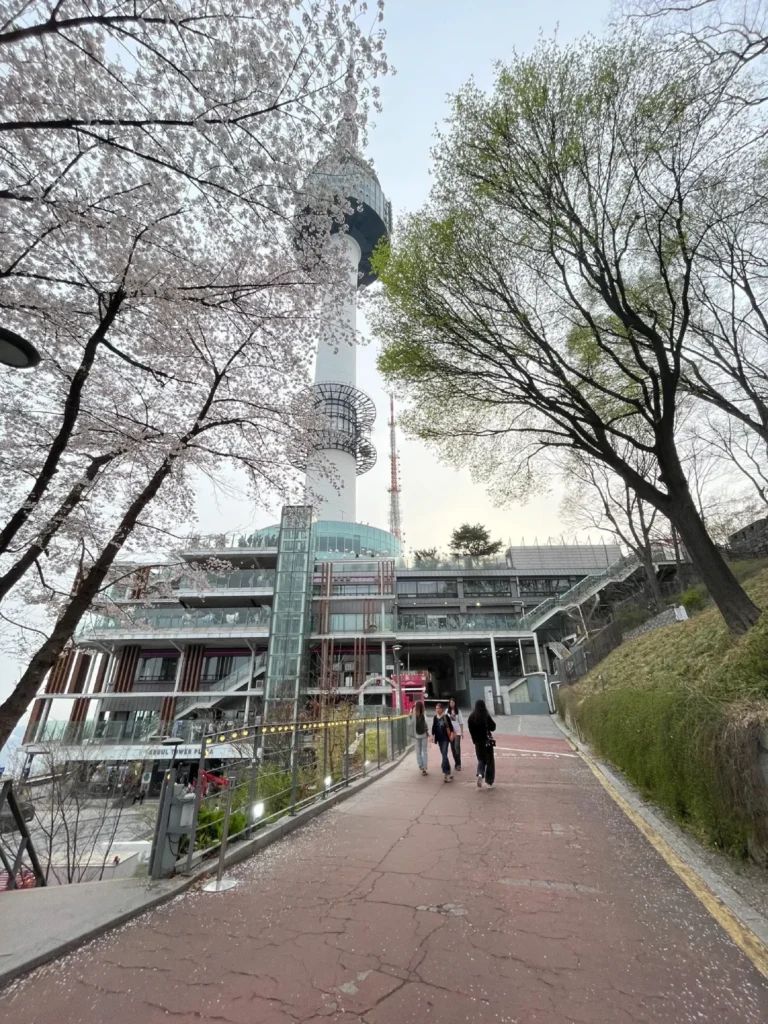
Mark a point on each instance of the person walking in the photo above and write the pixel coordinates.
(442, 733)
(457, 724)
(420, 733)
(481, 726)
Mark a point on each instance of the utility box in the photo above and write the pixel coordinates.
(180, 807)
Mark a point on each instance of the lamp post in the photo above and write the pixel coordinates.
(16, 351)
(395, 649)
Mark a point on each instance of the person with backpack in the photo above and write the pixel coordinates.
(481, 726)
(420, 733)
(442, 734)
(457, 724)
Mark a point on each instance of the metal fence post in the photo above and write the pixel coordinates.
(222, 884)
(294, 766)
(346, 753)
(378, 741)
(365, 748)
(252, 786)
(325, 758)
(196, 813)
(391, 738)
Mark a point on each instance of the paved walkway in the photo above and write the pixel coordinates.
(536, 903)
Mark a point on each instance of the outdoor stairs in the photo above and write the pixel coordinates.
(617, 572)
(223, 688)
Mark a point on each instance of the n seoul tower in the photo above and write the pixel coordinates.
(344, 445)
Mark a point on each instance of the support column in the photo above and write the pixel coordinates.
(538, 652)
(496, 684)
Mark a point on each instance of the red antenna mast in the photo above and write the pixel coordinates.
(395, 526)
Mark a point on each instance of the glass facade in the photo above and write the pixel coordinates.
(287, 653)
(353, 540)
(427, 588)
(488, 588)
(429, 622)
(160, 669)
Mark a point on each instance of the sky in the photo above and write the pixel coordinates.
(435, 46)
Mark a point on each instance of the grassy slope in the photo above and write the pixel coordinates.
(680, 712)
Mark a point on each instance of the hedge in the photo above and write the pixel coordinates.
(680, 712)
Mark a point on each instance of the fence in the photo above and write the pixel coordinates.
(283, 768)
(585, 657)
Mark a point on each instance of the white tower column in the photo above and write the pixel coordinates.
(342, 449)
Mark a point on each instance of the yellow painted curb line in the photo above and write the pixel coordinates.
(744, 937)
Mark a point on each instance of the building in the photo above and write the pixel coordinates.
(166, 657)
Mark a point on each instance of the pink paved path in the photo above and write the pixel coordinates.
(537, 903)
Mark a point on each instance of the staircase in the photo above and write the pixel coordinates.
(617, 572)
(223, 687)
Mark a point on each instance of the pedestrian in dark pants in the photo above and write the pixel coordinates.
(457, 724)
(442, 733)
(481, 726)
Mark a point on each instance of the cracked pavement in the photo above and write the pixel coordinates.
(535, 903)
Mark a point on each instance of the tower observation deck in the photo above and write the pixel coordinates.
(344, 444)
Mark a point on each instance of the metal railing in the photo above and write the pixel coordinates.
(590, 585)
(238, 539)
(464, 621)
(182, 619)
(238, 579)
(283, 768)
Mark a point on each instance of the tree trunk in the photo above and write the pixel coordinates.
(735, 606)
(24, 693)
(653, 580)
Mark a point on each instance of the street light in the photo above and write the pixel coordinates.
(168, 741)
(16, 351)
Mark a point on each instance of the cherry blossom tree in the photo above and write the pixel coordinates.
(164, 243)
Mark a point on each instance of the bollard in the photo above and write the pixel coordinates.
(222, 884)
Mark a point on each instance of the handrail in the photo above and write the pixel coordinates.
(614, 573)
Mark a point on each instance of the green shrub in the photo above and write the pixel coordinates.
(633, 616)
(679, 712)
(694, 599)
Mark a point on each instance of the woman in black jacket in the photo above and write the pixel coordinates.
(481, 725)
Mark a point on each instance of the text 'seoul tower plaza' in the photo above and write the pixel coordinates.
(344, 444)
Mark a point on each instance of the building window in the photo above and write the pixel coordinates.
(427, 588)
(156, 669)
(219, 666)
(487, 588)
(543, 586)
